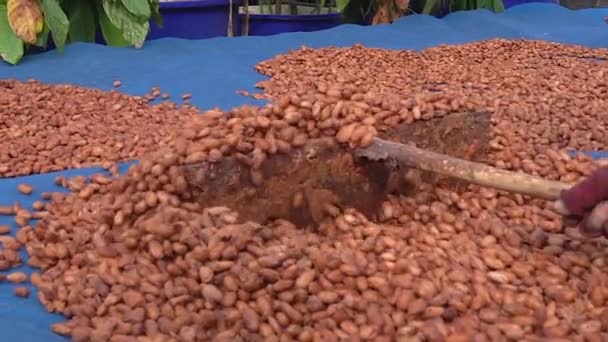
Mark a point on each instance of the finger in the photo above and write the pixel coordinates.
(567, 219)
(560, 207)
(592, 225)
(586, 231)
(598, 217)
(583, 196)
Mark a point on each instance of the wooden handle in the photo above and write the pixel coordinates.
(476, 173)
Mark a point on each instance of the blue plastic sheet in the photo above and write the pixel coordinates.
(214, 69)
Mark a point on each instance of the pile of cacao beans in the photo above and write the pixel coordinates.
(56, 127)
(137, 258)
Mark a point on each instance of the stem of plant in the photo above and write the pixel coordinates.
(246, 8)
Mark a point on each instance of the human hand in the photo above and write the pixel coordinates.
(587, 203)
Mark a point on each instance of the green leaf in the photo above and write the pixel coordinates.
(139, 8)
(488, 4)
(429, 5)
(498, 6)
(11, 47)
(459, 5)
(82, 21)
(132, 28)
(111, 33)
(137, 32)
(57, 21)
(341, 4)
(43, 37)
(155, 8)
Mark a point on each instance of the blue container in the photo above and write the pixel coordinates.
(196, 19)
(271, 24)
(511, 3)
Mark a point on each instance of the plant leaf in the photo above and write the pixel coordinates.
(11, 47)
(459, 5)
(25, 18)
(155, 8)
(429, 5)
(82, 21)
(139, 8)
(341, 4)
(43, 37)
(57, 22)
(132, 28)
(111, 34)
(136, 32)
(498, 6)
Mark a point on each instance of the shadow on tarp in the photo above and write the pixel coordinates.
(214, 69)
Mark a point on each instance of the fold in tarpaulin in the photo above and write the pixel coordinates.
(212, 70)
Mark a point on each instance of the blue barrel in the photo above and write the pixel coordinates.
(511, 3)
(197, 19)
(271, 24)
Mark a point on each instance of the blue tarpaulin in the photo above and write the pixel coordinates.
(213, 70)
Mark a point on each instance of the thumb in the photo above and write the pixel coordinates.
(594, 223)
